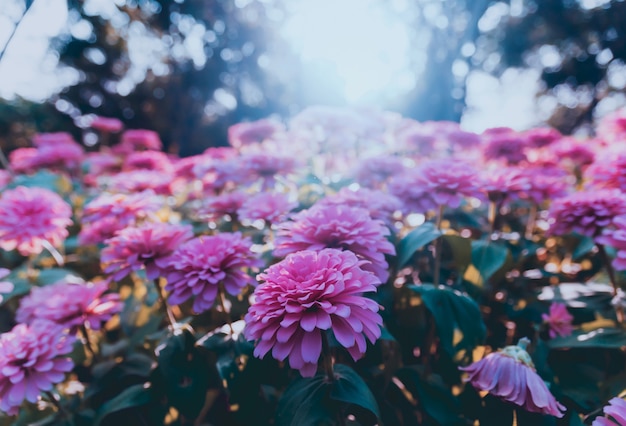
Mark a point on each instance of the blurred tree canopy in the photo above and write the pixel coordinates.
(191, 68)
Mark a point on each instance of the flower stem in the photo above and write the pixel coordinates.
(170, 315)
(221, 296)
(619, 312)
(437, 267)
(491, 217)
(88, 346)
(327, 358)
(56, 403)
(532, 219)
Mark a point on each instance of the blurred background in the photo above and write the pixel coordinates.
(191, 68)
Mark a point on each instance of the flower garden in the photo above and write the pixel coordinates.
(345, 267)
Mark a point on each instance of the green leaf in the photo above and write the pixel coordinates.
(585, 245)
(303, 403)
(415, 240)
(21, 285)
(53, 275)
(350, 388)
(453, 311)
(461, 249)
(608, 338)
(42, 179)
(133, 396)
(488, 258)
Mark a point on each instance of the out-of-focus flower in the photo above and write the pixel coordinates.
(135, 248)
(5, 178)
(99, 231)
(617, 412)
(559, 320)
(52, 139)
(139, 139)
(185, 167)
(504, 183)
(608, 171)
(199, 266)
(616, 238)
(379, 204)
(30, 216)
(103, 163)
(65, 154)
(374, 172)
(148, 160)
(70, 305)
(504, 144)
(510, 375)
(141, 180)
(586, 212)
(224, 204)
(574, 154)
(22, 160)
(32, 359)
(5, 286)
(267, 206)
(612, 127)
(541, 137)
(266, 167)
(106, 124)
(242, 134)
(303, 296)
(340, 227)
(546, 183)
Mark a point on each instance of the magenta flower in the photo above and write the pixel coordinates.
(32, 359)
(573, 153)
(612, 127)
(510, 375)
(505, 145)
(223, 204)
(243, 134)
(505, 183)
(266, 167)
(140, 180)
(5, 286)
(106, 124)
(340, 227)
(586, 212)
(379, 204)
(617, 412)
(303, 296)
(63, 154)
(70, 305)
(135, 248)
(103, 163)
(608, 172)
(559, 320)
(99, 231)
(138, 140)
(30, 216)
(545, 184)
(126, 208)
(374, 172)
(541, 137)
(22, 160)
(616, 238)
(201, 265)
(148, 160)
(267, 206)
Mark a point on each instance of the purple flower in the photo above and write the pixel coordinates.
(32, 359)
(505, 183)
(70, 305)
(586, 212)
(242, 134)
(379, 204)
(616, 238)
(223, 204)
(510, 375)
(303, 296)
(198, 267)
(374, 172)
(267, 206)
(148, 160)
(541, 137)
(559, 320)
(139, 139)
(341, 227)
(30, 216)
(135, 248)
(266, 167)
(608, 171)
(504, 144)
(617, 412)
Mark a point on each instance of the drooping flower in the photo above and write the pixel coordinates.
(200, 266)
(31, 216)
(374, 172)
(303, 296)
(379, 204)
(32, 359)
(267, 206)
(70, 305)
(510, 375)
(242, 134)
(616, 238)
(586, 212)
(340, 227)
(559, 320)
(5, 286)
(135, 248)
(617, 412)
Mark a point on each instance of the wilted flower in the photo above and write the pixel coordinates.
(135, 248)
(242, 134)
(616, 238)
(586, 212)
(70, 305)
(30, 216)
(106, 124)
(379, 204)
(374, 172)
(266, 206)
(617, 412)
(201, 265)
(303, 296)
(32, 359)
(340, 227)
(5, 286)
(559, 320)
(510, 375)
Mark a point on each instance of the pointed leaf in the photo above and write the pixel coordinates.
(349, 387)
(488, 257)
(610, 338)
(133, 396)
(415, 240)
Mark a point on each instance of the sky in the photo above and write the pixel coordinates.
(31, 70)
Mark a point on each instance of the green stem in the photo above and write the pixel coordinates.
(437, 267)
(327, 358)
(88, 346)
(619, 312)
(221, 296)
(532, 218)
(56, 403)
(170, 315)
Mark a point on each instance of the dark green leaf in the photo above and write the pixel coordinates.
(415, 240)
(452, 311)
(614, 338)
(303, 403)
(585, 245)
(488, 257)
(350, 388)
(42, 179)
(21, 285)
(53, 275)
(461, 249)
(496, 412)
(133, 396)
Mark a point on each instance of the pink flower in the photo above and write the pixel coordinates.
(545, 183)
(374, 172)
(5, 286)
(22, 160)
(106, 124)
(266, 167)
(223, 204)
(510, 375)
(616, 238)
(541, 136)
(139, 139)
(135, 248)
(586, 212)
(243, 134)
(70, 305)
(573, 153)
(504, 183)
(32, 359)
(140, 180)
(608, 171)
(340, 227)
(5, 178)
(126, 208)
(30, 216)
(201, 265)
(379, 204)
(617, 412)
(103, 163)
(505, 145)
(267, 206)
(559, 320)
(64, 154)
(612, 127)
(99, 231)
(52, 139)
(148, 160)
(185, 167)
(303, 296)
